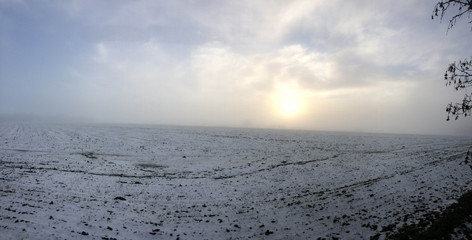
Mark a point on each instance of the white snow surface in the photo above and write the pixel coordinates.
(160, 182)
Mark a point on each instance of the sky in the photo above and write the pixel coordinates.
(363, 66)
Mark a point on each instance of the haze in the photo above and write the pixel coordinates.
(373, 66)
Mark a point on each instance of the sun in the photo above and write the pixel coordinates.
(289, 106)
(288, 101)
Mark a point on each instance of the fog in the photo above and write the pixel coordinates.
(317, 65)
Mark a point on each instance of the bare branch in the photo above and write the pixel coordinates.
(463, 7)
(457, 109)
(459, 74)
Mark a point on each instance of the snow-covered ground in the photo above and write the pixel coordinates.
(159, 182)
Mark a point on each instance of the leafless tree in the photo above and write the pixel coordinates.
(463, 8)
(458, 74)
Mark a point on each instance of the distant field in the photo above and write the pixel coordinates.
(159, 182)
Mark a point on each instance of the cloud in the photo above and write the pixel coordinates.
(216, 84)
(232, 62)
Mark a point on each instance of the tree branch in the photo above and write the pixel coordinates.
(459, 74)
(442, 6)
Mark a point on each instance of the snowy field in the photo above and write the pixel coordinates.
(158, 182)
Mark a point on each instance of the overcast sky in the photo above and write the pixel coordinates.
(372, 66)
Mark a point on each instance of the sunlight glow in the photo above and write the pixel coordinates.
(289, 106)
(288, 100)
